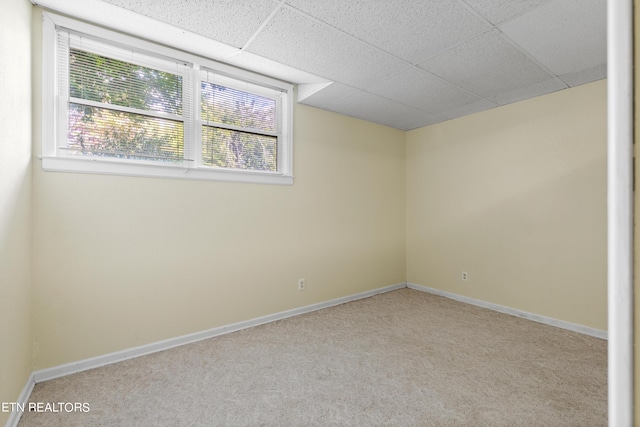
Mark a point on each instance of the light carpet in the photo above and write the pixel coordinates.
(403, 358)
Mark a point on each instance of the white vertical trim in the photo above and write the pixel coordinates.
(196, 99)
(620, 210)
(49, 83)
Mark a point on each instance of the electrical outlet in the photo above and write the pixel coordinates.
(465, 276)
(301, 283)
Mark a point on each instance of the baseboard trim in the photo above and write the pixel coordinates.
(119, 356)
(23, 399)
(597, 333)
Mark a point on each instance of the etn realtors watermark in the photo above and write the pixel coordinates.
(45, 407)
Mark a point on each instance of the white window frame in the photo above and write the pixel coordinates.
(54, 110)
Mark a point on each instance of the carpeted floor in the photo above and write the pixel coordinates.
(404, 358)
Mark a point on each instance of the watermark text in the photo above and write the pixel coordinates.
(45, 407)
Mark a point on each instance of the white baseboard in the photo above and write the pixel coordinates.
(119, 356)
(23, 399)
(597, 333)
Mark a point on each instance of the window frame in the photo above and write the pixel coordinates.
(54, 110)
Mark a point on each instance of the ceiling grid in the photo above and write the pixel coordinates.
(404, 63)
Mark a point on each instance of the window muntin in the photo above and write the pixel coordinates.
(122, 103)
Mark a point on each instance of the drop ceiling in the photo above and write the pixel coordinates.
(403, 63)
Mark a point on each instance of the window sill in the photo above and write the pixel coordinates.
(110, 167)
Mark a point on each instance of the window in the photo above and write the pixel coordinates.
(239, 126)
(114, 104)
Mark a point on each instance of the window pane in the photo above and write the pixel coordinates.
(221, 104)
(104, 132)
(98, 78)
(238, 150)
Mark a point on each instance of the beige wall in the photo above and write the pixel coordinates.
(124, 261)
(515, 196)
(15, 198)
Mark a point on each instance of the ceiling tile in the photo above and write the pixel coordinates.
(497, 11)
(376, 109)
(402, 63)
(529, 91)
(417, 88)
(299, 41)
(229, 21)
(585, 76)
(410, 29)
(486, 65)
(474, 107)
(277, 70)
(566, 36)
(329, 96)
